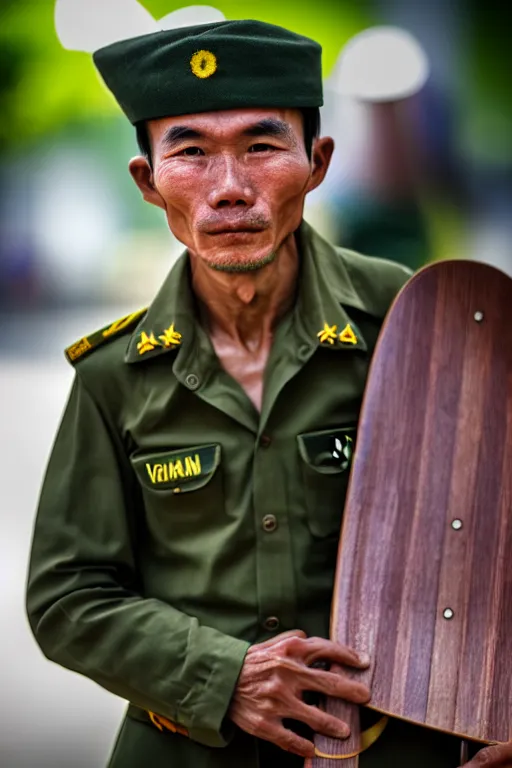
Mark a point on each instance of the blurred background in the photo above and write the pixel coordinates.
(421, 177)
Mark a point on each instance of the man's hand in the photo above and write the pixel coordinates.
(273, 678)
(499, 756)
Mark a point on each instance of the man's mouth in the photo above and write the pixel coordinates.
(226, 229)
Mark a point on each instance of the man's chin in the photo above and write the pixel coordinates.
(238, 264)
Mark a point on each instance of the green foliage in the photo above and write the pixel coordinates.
(487, 83)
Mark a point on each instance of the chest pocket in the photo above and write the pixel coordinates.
(326, 461)
(181, 484)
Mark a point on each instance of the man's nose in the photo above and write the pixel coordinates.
(231, 187)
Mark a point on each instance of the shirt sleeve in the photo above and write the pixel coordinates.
(85, 604)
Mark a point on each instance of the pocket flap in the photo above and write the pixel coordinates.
(329, 451)
(185, 469)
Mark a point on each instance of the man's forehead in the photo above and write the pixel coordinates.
(227, 122)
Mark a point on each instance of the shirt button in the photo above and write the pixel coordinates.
(265, 441)
(271, 624)
(269, 523)
(304, 351)
(192, 381)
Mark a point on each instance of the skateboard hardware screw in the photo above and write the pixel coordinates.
(479, 316)
(456, 524)
(448, 613)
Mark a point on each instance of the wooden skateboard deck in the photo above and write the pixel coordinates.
(424, 575)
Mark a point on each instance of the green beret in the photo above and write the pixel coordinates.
(221, 65)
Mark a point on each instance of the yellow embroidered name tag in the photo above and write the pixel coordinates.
(178, 471)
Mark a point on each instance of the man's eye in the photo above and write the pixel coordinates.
(260, 148)
(192, 151)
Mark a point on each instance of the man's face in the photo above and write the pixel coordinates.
(232, 183)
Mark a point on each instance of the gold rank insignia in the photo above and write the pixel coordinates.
(347, 336)
(147, 343)
(328, 333)
(169, 338)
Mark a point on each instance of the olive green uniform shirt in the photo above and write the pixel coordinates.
(177, 525)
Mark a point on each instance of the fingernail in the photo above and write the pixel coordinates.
(364, 659)
(344, 733)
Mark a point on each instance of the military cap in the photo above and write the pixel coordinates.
(211, 66)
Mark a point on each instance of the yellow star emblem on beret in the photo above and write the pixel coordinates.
(203, 64)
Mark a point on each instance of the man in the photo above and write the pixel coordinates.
(186, 538)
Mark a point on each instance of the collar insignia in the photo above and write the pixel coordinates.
(147, 343)
(169, 338)
(347, 336)
(328, 333)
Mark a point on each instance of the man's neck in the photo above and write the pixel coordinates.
(246, 307)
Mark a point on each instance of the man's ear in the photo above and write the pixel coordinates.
(321, 159)
(143, 177)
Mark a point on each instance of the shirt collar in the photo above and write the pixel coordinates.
(168, 325)
(324, 294)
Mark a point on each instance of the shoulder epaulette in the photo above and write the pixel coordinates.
(87, 344)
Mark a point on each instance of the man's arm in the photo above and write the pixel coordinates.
(84, 599)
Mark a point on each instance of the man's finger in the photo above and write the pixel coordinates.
(320, 721)
(290, 742)
(273, 730)
(319, 648)
(334, 684)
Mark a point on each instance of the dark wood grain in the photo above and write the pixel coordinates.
(348, 714)
(435, 445)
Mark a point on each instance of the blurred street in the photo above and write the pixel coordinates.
(419, 175)
(49, 718)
